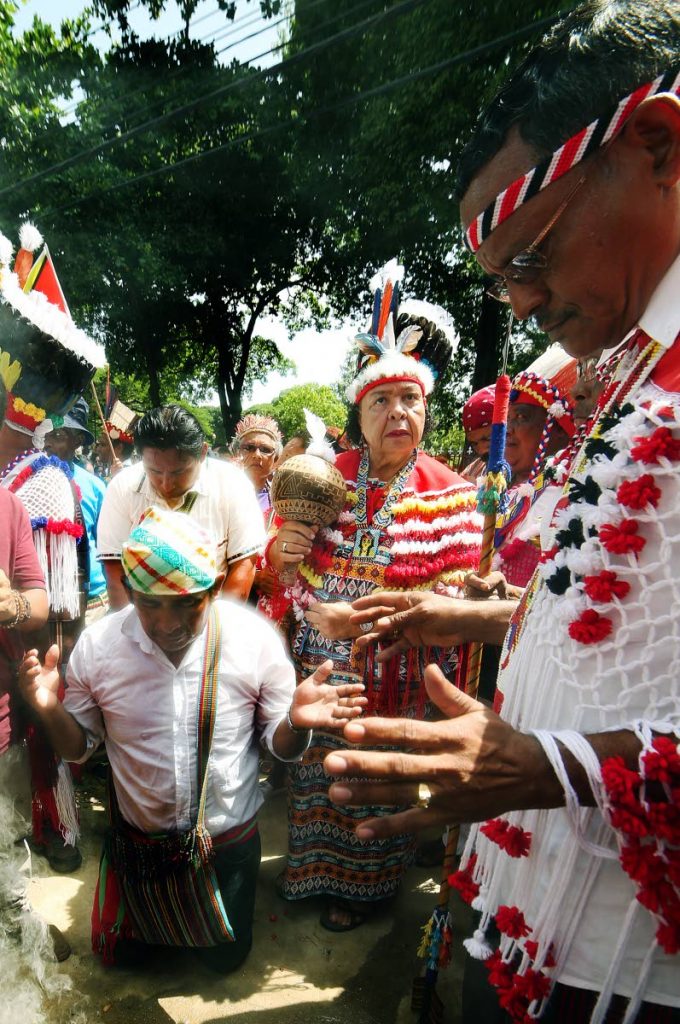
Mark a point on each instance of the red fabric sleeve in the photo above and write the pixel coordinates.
(18, 558)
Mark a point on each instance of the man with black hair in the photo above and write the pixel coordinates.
(175, 473)
(570, 200)
(64, 442)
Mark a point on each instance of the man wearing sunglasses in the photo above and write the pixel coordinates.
(570, 193)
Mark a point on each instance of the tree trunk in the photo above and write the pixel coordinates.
(489, 339)
(154, 380)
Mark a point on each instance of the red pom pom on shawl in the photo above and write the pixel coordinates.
(622, 538)
(590, 627)
(659, 445)
(511, 921)
(637, 494)
(605, 586)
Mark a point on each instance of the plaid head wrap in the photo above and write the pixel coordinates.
(169, 555)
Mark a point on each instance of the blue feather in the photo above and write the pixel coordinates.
(377, 299)
(370, 344)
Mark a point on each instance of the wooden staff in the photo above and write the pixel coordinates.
(488, 504)
(101, 417)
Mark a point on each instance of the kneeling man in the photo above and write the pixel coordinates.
(180, 687)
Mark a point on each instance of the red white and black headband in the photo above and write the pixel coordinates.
(570, 153)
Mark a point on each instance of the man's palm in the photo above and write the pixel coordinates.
(320, 705)
(40, 683)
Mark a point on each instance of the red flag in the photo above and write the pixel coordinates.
(43, 278)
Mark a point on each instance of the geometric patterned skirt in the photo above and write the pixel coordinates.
(325, 858)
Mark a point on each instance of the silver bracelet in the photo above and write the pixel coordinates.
(289, 722)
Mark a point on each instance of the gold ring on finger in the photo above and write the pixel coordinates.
(424, 796)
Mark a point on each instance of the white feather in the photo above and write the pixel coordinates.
(29, 237)
(317, 431)
(392, 271)
(6, 251)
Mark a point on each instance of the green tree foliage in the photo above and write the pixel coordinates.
(317, 172)
(288, 408)
(383, 165)
(175, 270)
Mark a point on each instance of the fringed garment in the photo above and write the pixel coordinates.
(421, 533)
(591, 896)
(45, 487)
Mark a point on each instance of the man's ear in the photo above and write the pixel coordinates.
(204, 451)
(655, 127)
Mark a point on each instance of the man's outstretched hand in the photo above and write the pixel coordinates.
(39, 684)
(475, 765)
(318, 704)
(417, 619)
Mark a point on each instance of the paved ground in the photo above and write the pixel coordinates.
(297, 972)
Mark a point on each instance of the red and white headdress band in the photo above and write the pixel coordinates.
(570, 153)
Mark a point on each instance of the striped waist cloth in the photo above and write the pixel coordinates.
(98, 601)
(238, 834)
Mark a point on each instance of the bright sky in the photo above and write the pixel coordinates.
(318, 356)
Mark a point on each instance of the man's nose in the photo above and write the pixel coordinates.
(526, 299)
(167, 621)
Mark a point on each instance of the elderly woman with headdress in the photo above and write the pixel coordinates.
(408, 522)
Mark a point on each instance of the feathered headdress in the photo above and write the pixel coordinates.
(547, 383)
(255, 424)
(410, 341)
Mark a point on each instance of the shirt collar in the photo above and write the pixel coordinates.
(661, 319)
(132, 628)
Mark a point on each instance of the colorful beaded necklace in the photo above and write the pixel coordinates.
(383, 517)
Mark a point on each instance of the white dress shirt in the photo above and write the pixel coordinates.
(121, 688)
(225, 505)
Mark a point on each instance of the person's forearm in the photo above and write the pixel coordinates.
(239, 581)
(544, 790)
(118, 595)
(39, 610)
(489, 621)
(66, 736)
(289, 743)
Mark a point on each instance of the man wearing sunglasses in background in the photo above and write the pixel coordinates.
(570, 193)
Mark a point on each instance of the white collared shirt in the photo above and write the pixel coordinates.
(122, 688)
(225, 505)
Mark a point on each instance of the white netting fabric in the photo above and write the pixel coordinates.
(578, 904)
(48, 498)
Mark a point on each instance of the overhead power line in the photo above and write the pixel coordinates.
(184, 69)
(244, 21)
(347, 101)
(186, 108)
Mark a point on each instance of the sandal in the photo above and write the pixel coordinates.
(356, 916)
